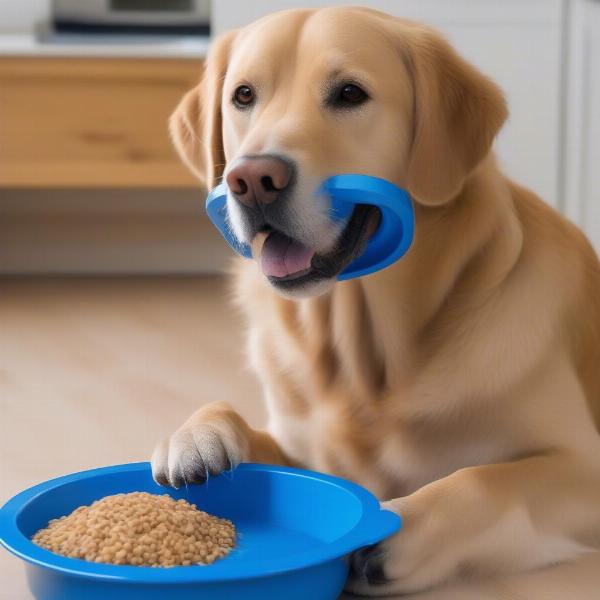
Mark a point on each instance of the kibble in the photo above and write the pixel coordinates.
(139, 529)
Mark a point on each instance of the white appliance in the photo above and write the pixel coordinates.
(132, 16)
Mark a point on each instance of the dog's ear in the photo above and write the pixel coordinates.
(457, 113)
(196, 123)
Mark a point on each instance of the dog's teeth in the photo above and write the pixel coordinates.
(258, 243)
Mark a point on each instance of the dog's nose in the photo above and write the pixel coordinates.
(259, 179)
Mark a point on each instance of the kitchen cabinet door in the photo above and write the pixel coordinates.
(582, 147)
(91, 122)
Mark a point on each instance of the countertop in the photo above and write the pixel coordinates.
(126, 46)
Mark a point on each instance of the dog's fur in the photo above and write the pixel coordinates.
(462, 384)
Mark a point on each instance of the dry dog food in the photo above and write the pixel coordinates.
(139, 529)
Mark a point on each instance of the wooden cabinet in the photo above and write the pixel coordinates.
(91, 122)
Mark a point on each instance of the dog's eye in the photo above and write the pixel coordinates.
(347, 95)
(352, 94)
(243, 96)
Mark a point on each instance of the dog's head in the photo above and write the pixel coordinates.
(302, 95)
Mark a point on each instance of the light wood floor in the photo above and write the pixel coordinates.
(94, 372)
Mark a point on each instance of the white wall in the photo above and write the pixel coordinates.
(20, 16)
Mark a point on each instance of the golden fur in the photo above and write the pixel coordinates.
(462, 384)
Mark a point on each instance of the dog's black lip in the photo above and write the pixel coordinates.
(293, 276)
(348, 247)
(284, 283)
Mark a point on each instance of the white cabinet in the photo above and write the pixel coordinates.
(519, 43)
(582, 141)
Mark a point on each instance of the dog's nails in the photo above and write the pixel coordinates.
(161, 479)
(367, 563)
(359, 559)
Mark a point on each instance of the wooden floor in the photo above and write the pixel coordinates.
(93, 372)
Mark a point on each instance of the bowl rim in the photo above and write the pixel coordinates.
(373, 525)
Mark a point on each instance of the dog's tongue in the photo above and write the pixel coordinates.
(282, 256)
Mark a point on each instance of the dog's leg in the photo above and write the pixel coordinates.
(513, 516)
(214, 439)
(492, 518)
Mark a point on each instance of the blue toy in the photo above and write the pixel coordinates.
(388, 244)
(295, 531)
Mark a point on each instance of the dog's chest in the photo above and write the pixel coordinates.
(329, 410)
(388, 456)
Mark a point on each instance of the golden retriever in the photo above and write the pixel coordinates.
(462, 384)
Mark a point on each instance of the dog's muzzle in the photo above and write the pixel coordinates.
(351, 197)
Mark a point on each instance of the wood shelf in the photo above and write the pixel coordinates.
(81, 122)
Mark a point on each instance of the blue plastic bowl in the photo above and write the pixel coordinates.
(295, 531)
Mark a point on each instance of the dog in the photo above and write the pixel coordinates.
(461, 385)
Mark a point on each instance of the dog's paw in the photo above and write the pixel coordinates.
(370, 573)
(211, 441)
(449, 527)
(409, 561)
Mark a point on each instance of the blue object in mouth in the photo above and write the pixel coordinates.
(389, 243)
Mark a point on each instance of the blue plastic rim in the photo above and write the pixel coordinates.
(389, 243)
(293, 525)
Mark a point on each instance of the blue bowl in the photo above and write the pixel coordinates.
(295, 531)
